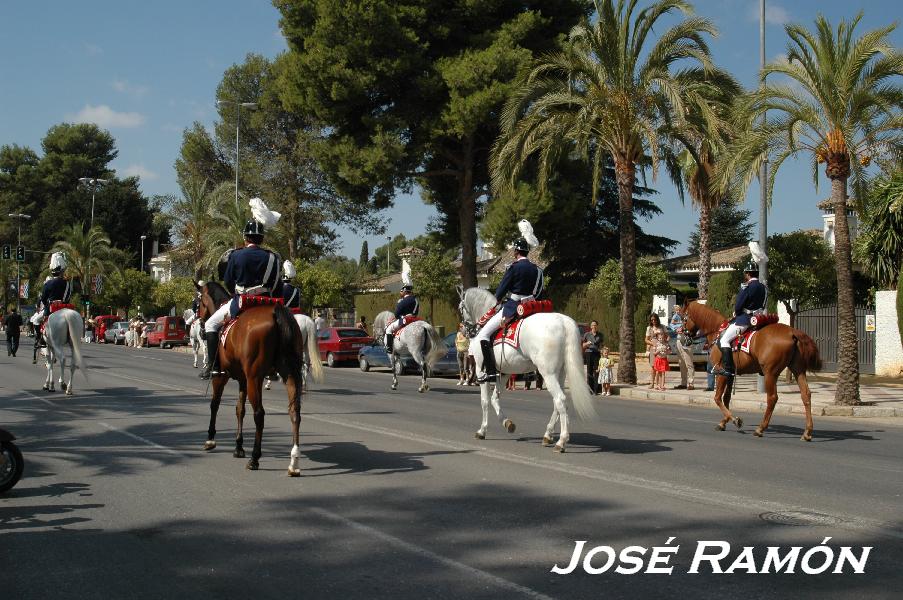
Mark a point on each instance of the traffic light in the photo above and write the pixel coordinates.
(6, 252)
(20, 253)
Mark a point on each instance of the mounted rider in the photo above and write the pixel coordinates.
(523, 281)
(407, 306)
(750, 301)
(56, 288)
(250, 270)
(290, 293)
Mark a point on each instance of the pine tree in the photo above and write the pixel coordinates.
(730, 227)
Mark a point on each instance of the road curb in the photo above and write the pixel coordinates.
(755, 405)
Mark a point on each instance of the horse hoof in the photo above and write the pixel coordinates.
(294, 472)
(558, 449)
(758, 432)
(69, 392)
(238, 454)
(394, 387)
(252, 465)
(807, 437)
(719, 427)
(479, 436)
(738, 422)
(509, 425)
(421, 390)
(547, 441)
(209, 445)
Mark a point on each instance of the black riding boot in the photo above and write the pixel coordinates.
(727, 363)
(390, 339)
(490, 371)
(212, 364)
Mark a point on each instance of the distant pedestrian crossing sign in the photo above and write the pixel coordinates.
(23, 289)
(97, 283)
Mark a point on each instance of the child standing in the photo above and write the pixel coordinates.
(660, 366)
(605, 364)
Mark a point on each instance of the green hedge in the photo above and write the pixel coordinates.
(900, 304)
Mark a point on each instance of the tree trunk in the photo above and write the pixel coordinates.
(467, 218)
(847, 345)
(625, 172)
(705, 248)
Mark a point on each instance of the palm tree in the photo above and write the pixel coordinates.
(611, 92)
(88, 252)
(879, 246)
(702, 136)
(196, 219)
(842, 109)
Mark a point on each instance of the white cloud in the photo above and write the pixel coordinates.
(774, 13)
(132, 89)
(141, 171)
(104, 116)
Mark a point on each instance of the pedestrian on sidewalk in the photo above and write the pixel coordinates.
(683, 342)
(592, 342)
(462, 344)
(13, 323)
(660, 365)
(605, 376)
(652, 330)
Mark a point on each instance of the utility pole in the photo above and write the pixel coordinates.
(91, 182)
(763, 176)
(238, 107)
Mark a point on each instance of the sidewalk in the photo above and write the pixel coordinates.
(881, 397)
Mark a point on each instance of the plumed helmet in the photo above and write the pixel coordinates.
(407, 287)
(253, 227)
(288, 270)
(527, 239)
(751, 267)
(57, 263)
(521, 245)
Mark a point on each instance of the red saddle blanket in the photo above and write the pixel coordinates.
(296, 311)
(56, 305)
(405, 321)
(743, 341)
(246, 301)
(509, 334)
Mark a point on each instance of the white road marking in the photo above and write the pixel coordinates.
(139, 438)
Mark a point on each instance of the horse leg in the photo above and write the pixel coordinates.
(68, 384)
(255, 396)
(721, 389)
(771, 391)
(484, 401)
(424, 372)
(218, 384)
(293, 386)
(240, 417)
(48, 382)
(394, 376)
(548, 437)
(507, 423)
(806, 395)
(553, 384)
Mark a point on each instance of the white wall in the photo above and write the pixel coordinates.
(663, 306)
(888, 349)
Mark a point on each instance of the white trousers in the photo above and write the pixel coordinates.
(731, 333)
(215, 321)
(489, 329)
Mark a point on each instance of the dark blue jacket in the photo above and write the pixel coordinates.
(408, 305)
(750, 298)
(252, 266)
(522, 278)
(291, 295)
(57, 288)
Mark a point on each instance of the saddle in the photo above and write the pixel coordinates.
(296, 311)
(509, 332)
(757, 322)
(246, 302)
(405, 321)
(56, 305)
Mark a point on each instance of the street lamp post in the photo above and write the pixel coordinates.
(388, 247)
(238, 107)
(93, 183)
(19, 217)
(763, 178)
(141, 266)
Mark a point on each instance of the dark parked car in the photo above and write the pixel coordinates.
(339, 344)
(374, 355)
(115, 333)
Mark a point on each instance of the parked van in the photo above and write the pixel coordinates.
(168, 332)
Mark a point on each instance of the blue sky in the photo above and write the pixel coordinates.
(147, 70)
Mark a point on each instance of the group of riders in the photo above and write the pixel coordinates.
(255, 270)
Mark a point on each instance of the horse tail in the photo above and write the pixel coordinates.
(808, 351)
(290, 355)
(437, 348)
(581, 395)
(313, 351)
(75, 336)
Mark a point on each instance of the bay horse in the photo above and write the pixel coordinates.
(65, 327)
(550, 344)
(262, 341)
(774, 348)
(312, 366)
(419, 339)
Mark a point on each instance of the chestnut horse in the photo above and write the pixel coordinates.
(263, 341)
(774, 348)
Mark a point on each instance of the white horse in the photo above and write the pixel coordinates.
(419, 339)
(548, 343)
(196, 337)
(312, 365)
(65, 327)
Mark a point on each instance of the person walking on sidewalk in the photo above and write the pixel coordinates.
(13, 324)
(684, 344)
(592, 342)
(605, 377)
(462, 343)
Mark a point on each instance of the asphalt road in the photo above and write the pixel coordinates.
(398, 500)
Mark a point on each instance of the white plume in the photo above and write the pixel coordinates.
(526, 230)
(757, 255)
(288, 270)
(405, 272)
(262, 214)
(57, 261)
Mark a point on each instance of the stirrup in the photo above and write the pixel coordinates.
(487, 378)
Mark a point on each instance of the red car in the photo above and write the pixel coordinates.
(167, 332)
(338, 344)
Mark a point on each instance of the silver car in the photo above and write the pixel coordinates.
(116, 333)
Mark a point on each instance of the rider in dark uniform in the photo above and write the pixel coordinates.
(750, 301)
(249, 270)
(522, 281)
(56, 288)
(407, 305)
(290, 293)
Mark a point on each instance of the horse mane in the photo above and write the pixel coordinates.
(478, 301)
(217, 292)
(707, 319)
